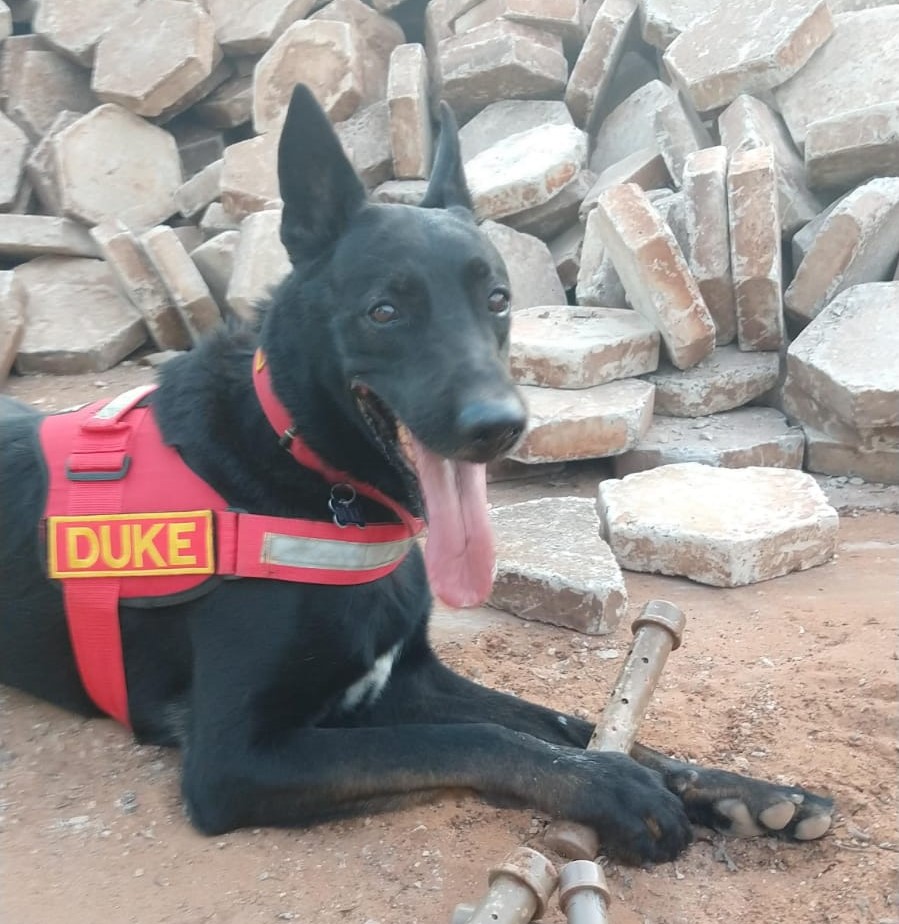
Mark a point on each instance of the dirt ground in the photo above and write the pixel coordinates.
(793, 680)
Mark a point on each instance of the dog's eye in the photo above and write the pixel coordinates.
(498, 302)
(383, 313)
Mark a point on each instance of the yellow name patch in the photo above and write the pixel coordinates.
(131, 544)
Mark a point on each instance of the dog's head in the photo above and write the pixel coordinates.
(417, 307)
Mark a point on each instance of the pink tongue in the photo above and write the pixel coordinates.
(459, 551)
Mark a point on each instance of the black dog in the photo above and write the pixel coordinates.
(297, 702)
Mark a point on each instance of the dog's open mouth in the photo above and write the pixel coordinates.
(459, 553)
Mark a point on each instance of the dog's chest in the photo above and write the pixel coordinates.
(370, 685)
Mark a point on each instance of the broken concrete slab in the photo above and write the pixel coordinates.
(200, 190)
(252, 28)
(532, 272)
(755, 254)
(323, 54)
(13, 153)
(708, 236)
(597, 60)
(845, 359)
(12, 321)
(229, 105)
(141, 284)
(832, 82)
(112, 163)
(749, 123)
(182, 280)
(411, 134)
(720, 526)
(250, 176)
(852, 147)
(584, 423)
(748, 48)
(735, 439)
(77, 320)
(365, 137)
(260, 262)
(570, 578)
(830, 456)
(525, 170)
(598, 283)
(726, 379)
(176, 54)
(215, 261)
(558, 212)
(499, 120)
(655, 273)
(26, 236)
(499, 60)
(857, 242)
(564, 346)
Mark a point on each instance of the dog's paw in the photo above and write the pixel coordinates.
(637, 819)
(745, 807)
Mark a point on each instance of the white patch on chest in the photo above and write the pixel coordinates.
(368, 687)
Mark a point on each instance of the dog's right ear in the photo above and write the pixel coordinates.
(319, 187)
(447, 186)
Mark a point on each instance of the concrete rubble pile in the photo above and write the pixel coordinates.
(698, 202)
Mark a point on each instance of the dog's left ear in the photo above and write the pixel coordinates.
(447, 186)
(319, 187)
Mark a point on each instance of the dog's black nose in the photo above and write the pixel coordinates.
(490, 427)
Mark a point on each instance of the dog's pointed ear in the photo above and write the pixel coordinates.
(319, 187)
(447, 186)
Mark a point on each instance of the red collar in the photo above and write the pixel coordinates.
(279, 417)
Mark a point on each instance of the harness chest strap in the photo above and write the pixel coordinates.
(126, 518)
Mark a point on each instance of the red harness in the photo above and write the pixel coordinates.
(126, 519)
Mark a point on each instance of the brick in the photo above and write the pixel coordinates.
(250, 176)
(720, 526)
(499, 120)
(845, 358)
(411, 134)
(645, 167)
(215, 261)
(41, 168)
(735, 439)
(12, 321)
(45, 84)
(365, 137)
(182, 280)
(112, 163)
(570, 578)
(749, 123)
(141, 284)
(755, 255)
(229, 105)
(854, 146)
(630, 126)
(500, 60)
(526, 170)
(558, 212)
(662, 21)
(403, 192)
(655, 274)
(75, 28)
(566, 253)
(322, 54)
(857, 242)
(598, 283)
(834, 81)
(200, 190)
(532, 273)
(13, 152)
(252, 28)
(77, 320)
(584, 423)
(679, 133)
(707, 236)
(829, 456)
(746, 48)
(672, 210)
(726, 379)
(177, 52)
(26, 236)
(260, 262)
(571, 347)
(558, 17)
(802, 240)
(598, 59)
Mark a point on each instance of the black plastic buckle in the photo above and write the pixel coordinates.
(116, 475)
